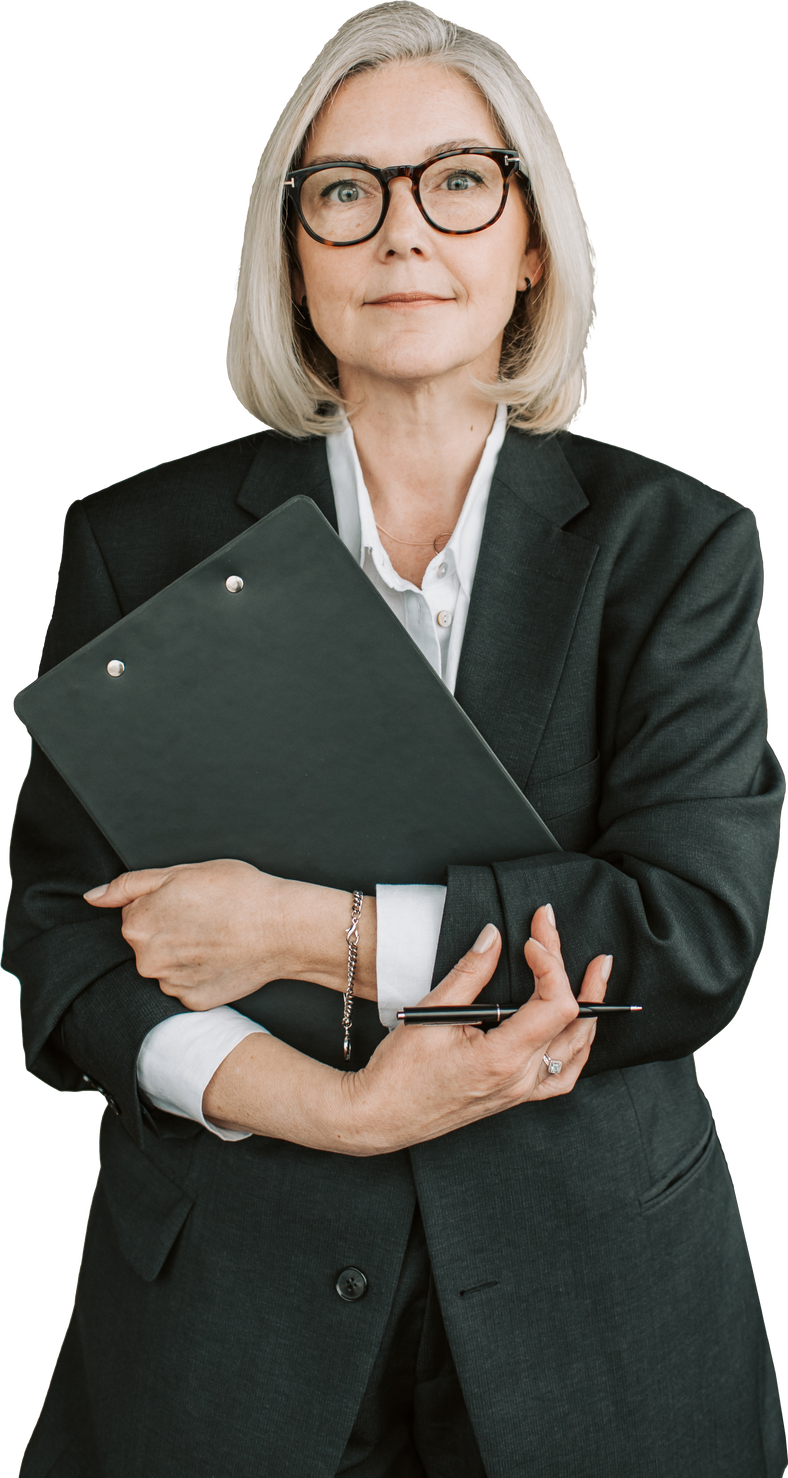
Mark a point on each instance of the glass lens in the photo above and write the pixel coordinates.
(461, 192)
(342, 203)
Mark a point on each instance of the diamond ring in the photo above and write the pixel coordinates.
(551, 1063)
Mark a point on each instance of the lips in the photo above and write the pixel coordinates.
(393, 300)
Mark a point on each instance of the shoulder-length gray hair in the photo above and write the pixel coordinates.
(277, 367)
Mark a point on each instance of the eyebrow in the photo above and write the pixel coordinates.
(446, 148)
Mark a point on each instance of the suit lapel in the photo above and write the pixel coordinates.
(283, 468)
(529, 584)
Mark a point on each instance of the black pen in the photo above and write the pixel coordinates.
(488, 1015)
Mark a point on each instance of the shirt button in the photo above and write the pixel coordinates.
(351, 1285)
(442, 570)
(444, 618)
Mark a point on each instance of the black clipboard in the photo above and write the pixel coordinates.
(272, 708)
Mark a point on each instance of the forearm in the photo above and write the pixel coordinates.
(267, 1088)
(683, 946)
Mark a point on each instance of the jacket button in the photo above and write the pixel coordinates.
(351, 1284)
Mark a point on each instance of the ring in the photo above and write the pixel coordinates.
(551, 1063)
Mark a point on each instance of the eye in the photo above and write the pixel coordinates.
(462, 180)
(342, 192)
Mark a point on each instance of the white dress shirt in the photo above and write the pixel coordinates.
(179, 1057)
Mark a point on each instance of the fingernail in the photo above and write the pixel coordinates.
(548, 908)
(538, 944)
(607, 966)
(95, 893)
(486, 939)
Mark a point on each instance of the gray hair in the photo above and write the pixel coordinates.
(277, 368)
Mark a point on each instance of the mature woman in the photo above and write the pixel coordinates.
(455, 1260)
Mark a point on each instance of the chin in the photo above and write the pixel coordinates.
(415, 361)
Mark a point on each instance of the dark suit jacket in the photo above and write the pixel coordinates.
(588, 1253)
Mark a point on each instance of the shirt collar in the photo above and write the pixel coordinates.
(356, 520)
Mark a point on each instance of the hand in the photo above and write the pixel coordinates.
(210, 933)
(213, 932)
(425, 1081)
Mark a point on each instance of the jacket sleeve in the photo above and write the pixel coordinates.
(85, 1010)
(676, 884)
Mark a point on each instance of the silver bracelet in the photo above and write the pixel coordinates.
(352, 955)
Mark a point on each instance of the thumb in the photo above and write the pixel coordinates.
(127, 887)
(462, 984)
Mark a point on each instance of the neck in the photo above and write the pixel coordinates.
(419, 447)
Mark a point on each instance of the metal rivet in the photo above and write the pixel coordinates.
(234, 583)
(115, 668)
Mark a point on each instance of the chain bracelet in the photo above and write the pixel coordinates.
(352, 956)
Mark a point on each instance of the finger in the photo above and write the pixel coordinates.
(462, 985)
(596, 978)
(545, 934)
(128, 886)
(575, 1037)
(573, 1045)
(553, 986)
(548, 970)
(543, 929)
(552, 1005)
(571, 1048)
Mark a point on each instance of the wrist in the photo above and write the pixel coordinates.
(315, 930)
(266, 1087)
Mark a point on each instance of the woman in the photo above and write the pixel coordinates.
(455, 1261)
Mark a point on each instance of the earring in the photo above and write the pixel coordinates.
(526, 290)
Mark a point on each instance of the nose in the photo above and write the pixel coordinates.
(404, 230)
(400, 186)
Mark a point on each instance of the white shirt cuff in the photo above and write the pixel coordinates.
(409, 924)
(180, 1056)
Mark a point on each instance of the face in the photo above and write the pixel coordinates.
(411, 304)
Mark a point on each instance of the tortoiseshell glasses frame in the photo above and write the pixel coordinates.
(507, 161)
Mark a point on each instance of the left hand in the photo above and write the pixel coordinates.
(214, 932)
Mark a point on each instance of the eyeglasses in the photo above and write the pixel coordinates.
(458, 193)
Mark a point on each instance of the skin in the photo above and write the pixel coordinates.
(407, 367)
(414, 318)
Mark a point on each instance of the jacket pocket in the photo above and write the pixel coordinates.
(555, 796)
(683, 1173)
(147, 1208)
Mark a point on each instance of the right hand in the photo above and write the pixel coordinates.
(424, 1081)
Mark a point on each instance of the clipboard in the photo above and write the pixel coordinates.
(269, 706)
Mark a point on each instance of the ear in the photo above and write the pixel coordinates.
(531, 268)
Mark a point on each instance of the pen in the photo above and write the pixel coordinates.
(488, 1015)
